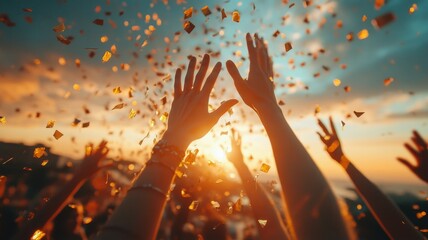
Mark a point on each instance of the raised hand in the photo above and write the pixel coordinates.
(235, 155)
(93, 160)
(258, 91)
(421, 156)
(331, 140)
(189, 118)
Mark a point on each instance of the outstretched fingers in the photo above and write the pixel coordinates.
(419, 141)
(250, 47)
(333, 129)
(177, 83)
(236, 76)
(211, 79)
(406, 163)
(323, 127)
(188, 80)
(413, 151)
(201, 73)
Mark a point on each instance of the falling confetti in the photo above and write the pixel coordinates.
(236, 17)
(262, 222)
(336, 82)
(2, 120)
(363, 34)
(383, 20)
(59, 28)
(188, 13)
(119, 106)
(413, 8)
(44, 162)
(188, 26)
(132, 113)
(288, 46)
(194, 205)
(388, 81)
(206, 11)
(39, 152)
(358, 114)
(85, 124)
(117, 90)
(264, 167)
(57, 134)
(106, 57)
(38, 235)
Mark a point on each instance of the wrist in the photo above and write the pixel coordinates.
(176, 140)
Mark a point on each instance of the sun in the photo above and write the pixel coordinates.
(218, 154)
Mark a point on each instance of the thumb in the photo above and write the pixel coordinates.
(224, 107)
(233, 71)
(406, 163)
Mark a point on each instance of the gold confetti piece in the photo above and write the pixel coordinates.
(379, 4)
(188, 13)
(350, 36)
(104, 39)
(364, 18)
(85, 124)
(59, 28)
(117, 90)
(264, 168)
(106, 56)
(262, 222)
(219, 181)
(152, 122)
(236, 17)
(76, 87)
(44, 162)
(343, 123)
(388, 81)
(237, 206)
(62, 61)
(179, 173)
(39, 152)
(223, 14)
(358, 114)
(119, 106)
(164, 117)
(215, 204)
(57, 134)
(184, 193)
(363, 34)
(336, 82)
(420, 215)
(413, 8)
(38, 235)
(359, 207)
(2, 120)
(206, 11)
(132, 113)
(144, 43)
(347, 88)
(383, 20)
(288, 46)
(194, 205)
(188, 26)
(98, 22)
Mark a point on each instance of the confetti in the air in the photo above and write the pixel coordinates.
(57, 134)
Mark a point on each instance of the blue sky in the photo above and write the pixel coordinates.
(398, 50)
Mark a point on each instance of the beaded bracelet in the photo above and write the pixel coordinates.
(150, 186)
(163, 149)
(344, 161)
(154, 161)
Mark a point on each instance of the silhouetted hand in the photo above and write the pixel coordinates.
(258, 91)
(331, 141)
(189, 118)
(421, 156)
(235, 155)
(93, 160)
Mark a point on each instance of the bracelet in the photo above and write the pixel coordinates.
(154, 161)
(162, 148)
(150, 186)
(121, 230)
(344, 161)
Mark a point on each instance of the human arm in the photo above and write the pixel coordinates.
(308, 197)
(139, 215)
(387, 214)
(90, 164)
(262, 206)
(421, 156)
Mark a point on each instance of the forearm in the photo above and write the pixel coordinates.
(140, 213)
(391, 219)
(309, 198)
(262, 206)
(51, 208)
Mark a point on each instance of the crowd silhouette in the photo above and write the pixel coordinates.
(311, 208)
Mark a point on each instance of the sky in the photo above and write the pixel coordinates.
(41, 82)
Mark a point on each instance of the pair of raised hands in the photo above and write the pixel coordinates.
(189, 118)
(419, 152)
